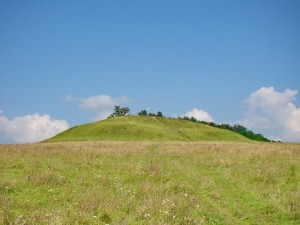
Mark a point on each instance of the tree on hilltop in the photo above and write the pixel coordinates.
(119, 111)
(143, 113)
(159, 114)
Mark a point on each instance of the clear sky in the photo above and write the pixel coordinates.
(64, 63)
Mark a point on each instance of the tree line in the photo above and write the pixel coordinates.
(123, 111)
(235, 128)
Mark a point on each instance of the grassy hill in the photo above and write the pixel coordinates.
(146, 128)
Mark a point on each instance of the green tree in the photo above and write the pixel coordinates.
(143, 113)
(159, 114)
(119, 111)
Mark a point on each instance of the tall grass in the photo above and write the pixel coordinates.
(150, 183)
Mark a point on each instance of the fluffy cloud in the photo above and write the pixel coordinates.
(102, 102)
(103, 105)
(30, 128)
(71, 98)
(200, 115)
(273, 114)
(103, 114)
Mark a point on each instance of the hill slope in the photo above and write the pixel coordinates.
(146, 128)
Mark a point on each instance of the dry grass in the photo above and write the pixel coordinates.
(150, 183)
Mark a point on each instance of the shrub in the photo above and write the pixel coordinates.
(143, 113)
(160, 114)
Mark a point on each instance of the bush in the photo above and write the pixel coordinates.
(143, 113)
(160, 114)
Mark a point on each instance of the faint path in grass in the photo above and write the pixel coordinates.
(173, 129)
(225, 196)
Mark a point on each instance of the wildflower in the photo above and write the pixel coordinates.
(165, 201)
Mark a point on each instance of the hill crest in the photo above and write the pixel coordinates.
(146, 128)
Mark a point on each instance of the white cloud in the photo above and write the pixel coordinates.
(102, 102)
(102, 115)
(71, 98)
(200, 115)
(30, 128)
(273, 114)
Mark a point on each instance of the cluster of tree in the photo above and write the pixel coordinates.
(123, 111)
(145, 113)
(120, 111)
(235, 128)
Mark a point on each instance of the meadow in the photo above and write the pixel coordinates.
(114, 182)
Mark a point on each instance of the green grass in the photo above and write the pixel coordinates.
(108, 182)
(146, 128)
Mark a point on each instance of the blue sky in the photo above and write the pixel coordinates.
(234, 61)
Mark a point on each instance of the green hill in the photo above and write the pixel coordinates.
(146, 128)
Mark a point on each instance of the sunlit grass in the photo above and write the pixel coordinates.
(150, 183)
(146, 128)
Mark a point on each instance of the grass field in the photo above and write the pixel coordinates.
(150, 183)
(146, 128)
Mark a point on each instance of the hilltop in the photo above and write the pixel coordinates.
(146, 128)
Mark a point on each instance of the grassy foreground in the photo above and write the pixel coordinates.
(150, 183)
